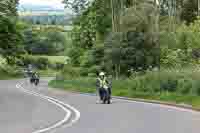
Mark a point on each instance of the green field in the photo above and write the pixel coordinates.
(53, 59)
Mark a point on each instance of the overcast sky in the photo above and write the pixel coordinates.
(56, 3)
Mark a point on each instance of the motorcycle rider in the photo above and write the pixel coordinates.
(35, 77)
(102, 84)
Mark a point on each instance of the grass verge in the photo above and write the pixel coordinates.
(6, 76)
(87, 85)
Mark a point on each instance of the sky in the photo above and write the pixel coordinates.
(55, 3)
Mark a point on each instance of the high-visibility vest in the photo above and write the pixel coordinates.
(103, 83)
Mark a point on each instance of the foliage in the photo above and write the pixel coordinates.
(9, 72)
(129, 51)
(92, 25)
(48, 42)
(42, 63)
(76, 5)
(75, 55)
(10, 37)
(69, 72)
(39, 63)
(46, 19)
(190, 9)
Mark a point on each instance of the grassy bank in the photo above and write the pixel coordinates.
(6, 76)
(47, 73)
(173, 86)
(85, 85)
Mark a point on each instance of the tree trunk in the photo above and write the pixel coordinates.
(172, 15)
(198, 7)
(113, 15)
(157, 27)
(117, 7)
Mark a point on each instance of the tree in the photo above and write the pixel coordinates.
(10, 37)
(190, 9)
(57, 40)
(77, 6)
(198, 7)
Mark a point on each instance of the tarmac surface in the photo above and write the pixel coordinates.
(25, 108)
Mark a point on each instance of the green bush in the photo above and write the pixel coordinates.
(84, 72)
(94, 69)
(56, 66)
(42, 63)
(70, 72)
(38, 62)
(27, 60)
(185, 86)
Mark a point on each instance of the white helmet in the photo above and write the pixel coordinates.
(102, 74)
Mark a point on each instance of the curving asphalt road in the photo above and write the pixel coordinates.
(29, 112)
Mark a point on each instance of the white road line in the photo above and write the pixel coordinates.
(59, 104)
(66, 118)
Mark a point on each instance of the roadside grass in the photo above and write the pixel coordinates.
(47, 73)
(173, 86)
(7, 72)
(5, 75)
(86, 86)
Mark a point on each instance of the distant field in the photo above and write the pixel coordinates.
(40, 13)
(65, 28)
(53, 59)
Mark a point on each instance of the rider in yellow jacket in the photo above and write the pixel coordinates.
(101, 84)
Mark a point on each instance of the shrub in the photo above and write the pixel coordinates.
(94, 69)
(70, 72)
(59, 66)
(27, 60)
(11, 70)
(38, 62)
(184, 86)
(169, 85)
(84, 72)
(42, 63)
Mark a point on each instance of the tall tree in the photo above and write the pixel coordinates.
(198, 7)
(10, 37)
(190, 11)
(77, 6)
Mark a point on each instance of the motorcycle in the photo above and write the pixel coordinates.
(106, 95)
(34, 80)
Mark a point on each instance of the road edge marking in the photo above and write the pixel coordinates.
(143, 101)
(59, 104)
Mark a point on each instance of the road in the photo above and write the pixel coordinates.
(56, 111)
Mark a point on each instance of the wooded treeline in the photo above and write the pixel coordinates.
(119, 36)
